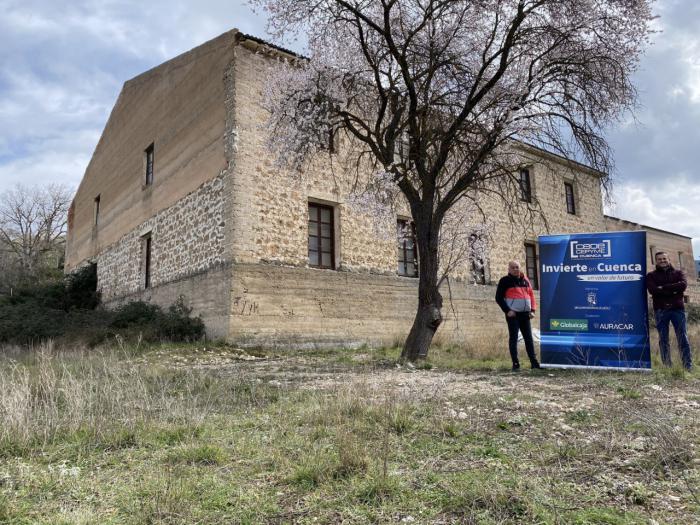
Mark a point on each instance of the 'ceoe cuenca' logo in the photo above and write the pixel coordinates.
(590, 249)
(573, 325)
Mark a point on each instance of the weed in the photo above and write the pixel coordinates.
(377, 489)
(629, 393)
(400, 420)
(606, 516)
(491, 451)
(352, 458)
(580, 416)
(312, 470)
(639, 494)
(196, 455)
(175, 435)
(450, 428)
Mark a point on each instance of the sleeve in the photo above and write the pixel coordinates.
(679, 286)
(531, 292)
(501, 296)
(652, 287)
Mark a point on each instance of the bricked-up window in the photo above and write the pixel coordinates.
(147, 243)
(321, 236)
(96, 213)
(149, 151)
(525, 186)
(332, 140)
(406, 235)
(476, 259)
(531, 264)
(570, 201)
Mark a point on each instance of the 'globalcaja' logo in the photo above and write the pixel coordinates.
(590, 249)
(573, 325)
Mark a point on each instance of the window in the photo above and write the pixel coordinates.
(146, 244)
(328, 140)
(402, 147)
(680, 260)
(96, 212)
(652, 251)
(525, 186)
(531, 264)
(406, 235)
(149, 164)
(570, 202)
(321, 236)
(477, 263)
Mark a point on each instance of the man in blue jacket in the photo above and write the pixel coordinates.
(666, 286)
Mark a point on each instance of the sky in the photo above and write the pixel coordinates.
(64, 63)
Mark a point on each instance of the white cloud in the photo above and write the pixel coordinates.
(63, 67)
(669, 205)
(679, 41)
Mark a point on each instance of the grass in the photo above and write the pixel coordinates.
(188, 434)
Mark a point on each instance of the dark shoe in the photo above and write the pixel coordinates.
(516, 368)
(535, 365)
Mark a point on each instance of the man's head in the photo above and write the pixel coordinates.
(514, 268)
(661, 259)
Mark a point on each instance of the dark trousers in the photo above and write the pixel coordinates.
(677, 319)
(521, 322)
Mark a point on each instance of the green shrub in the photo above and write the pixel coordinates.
(153, 324)
(135, 313)
(27, 322)
(178, 325)
(693, 311)
(80, 289)
(67, 309)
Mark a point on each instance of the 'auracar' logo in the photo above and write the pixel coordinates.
(590, 250)
(573, 325)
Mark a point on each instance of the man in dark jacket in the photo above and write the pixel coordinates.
(666, 286)
(515, 297)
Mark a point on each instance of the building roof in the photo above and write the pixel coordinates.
(246, 36)
(645, 227)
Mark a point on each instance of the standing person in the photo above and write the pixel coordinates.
(515, 297)
(666, 286)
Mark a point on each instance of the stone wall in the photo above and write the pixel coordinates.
(283, 306)
(187, 238)
(272, 205)
(207, 293)
(271, 213)
(515, 224)
(678, 247)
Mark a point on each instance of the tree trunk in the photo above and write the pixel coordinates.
(429, 316)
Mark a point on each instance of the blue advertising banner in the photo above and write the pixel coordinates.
(593, 301)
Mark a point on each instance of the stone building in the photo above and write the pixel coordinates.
(679, 249)
(181, 197)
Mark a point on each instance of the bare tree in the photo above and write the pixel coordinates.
(32, 224)
(432, 95)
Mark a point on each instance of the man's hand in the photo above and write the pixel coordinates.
(532, 315)
(510, 313)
